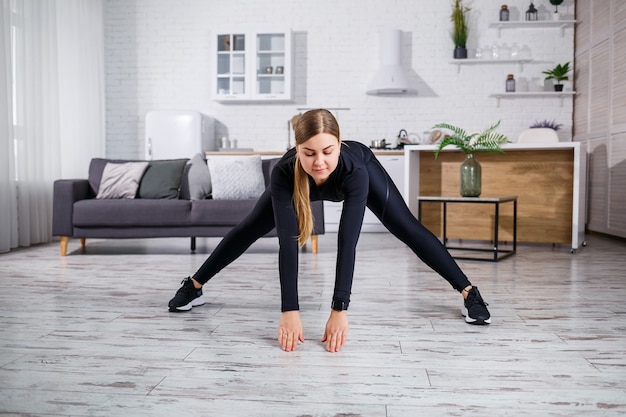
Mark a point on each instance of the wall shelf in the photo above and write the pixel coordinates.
(522, 24)
(534, 94)
(481, 61)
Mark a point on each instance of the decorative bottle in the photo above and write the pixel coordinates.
(510, 83)
(470, 177)
(504, 13)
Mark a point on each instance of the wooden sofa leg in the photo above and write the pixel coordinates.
(64, 240)
(83, 243)
(314, 243)
(193, 244)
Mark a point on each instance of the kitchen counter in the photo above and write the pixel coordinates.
(235, 152)
(393, 152)
(549, 180)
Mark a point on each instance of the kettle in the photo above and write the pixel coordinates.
(403, 139)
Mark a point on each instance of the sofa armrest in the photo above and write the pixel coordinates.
(65, 194)
(268, 166)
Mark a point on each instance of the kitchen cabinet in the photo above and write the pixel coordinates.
(393, 162)
(253, 66)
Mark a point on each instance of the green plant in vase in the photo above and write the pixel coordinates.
(558, 73)
(471, 143)
(459, 28)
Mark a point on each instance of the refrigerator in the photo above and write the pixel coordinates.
(172, 134)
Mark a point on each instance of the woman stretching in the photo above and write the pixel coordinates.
(323, 167)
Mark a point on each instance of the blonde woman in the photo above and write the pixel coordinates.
(323, 167)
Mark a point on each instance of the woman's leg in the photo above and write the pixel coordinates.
(386, 202)
(259, 222)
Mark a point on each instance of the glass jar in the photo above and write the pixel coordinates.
(495, 51)
(504, 13)
(504, 51)
(510, 83)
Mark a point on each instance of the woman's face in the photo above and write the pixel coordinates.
(319, 156)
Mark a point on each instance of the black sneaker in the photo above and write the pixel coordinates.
(475, 308)
(186, 297)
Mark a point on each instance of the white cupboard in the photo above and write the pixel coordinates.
(253, 66)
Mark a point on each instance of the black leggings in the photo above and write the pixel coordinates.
(384, 200)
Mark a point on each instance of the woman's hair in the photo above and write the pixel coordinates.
(311, 123)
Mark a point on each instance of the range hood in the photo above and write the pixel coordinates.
(391, 78)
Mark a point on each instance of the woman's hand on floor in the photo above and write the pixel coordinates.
(336, 331)
(290, 330)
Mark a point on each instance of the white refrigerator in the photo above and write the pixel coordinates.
(172, 134)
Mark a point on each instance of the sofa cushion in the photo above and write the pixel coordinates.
(196, 183)
(162, 179)
(236, 178)
(132, 213)
(96, 167)
(120, 180)
(220, 212)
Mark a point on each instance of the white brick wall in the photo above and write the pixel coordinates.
(158, 57)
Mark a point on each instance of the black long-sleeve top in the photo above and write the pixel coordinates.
(349, 183)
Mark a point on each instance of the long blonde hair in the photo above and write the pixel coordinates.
(311, 123)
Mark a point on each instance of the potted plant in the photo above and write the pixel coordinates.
(546, 124)
(486, 141)
(540, 132)
(459, 28)
(558, 73)
(556, 4)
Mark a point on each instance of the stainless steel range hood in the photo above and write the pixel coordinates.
(391, 78)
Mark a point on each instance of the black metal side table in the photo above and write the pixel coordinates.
(498, 252)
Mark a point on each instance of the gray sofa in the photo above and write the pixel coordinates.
(78, 214)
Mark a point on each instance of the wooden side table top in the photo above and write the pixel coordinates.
(450, 199)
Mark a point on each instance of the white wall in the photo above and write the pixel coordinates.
(158, 57)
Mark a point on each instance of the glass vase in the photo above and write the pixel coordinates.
(470, 177)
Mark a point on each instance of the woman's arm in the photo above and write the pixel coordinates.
(355, 199)
(287, 231)
(356, 188)
(290, 330)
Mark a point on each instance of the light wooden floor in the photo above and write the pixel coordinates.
(90, 335)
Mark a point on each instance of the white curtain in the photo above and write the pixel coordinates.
(52, 105)
(8, 198)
